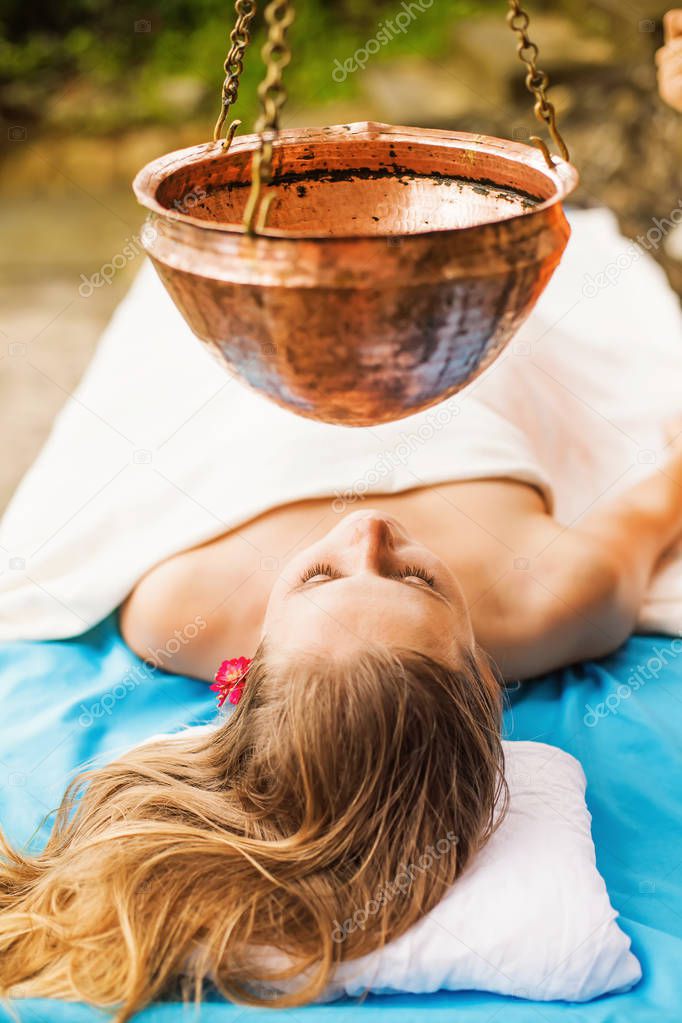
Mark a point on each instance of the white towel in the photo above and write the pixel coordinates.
(159, 449)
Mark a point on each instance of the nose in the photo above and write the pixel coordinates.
(371, 536)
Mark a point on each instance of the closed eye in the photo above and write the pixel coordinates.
(318, 571)
(323, 571)
(416, 572)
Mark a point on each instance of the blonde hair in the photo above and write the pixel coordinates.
(257, 859)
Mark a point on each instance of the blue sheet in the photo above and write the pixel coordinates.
(65, 703)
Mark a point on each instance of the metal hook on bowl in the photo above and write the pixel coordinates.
(231, 132)
(542, 145)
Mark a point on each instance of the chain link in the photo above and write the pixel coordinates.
(279, 16)
(537, 81)
(240, 38)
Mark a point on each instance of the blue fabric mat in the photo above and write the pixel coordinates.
(65, 703)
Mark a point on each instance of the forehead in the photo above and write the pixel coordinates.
(358, 609)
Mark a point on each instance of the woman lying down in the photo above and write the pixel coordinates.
(366, 727)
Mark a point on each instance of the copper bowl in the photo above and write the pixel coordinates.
(397, 263)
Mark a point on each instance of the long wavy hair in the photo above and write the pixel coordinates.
(257, 859)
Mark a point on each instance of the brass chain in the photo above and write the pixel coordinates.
(279, 16)
(240, 38)
(537, 81)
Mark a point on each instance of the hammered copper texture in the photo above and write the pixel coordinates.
(397, 264)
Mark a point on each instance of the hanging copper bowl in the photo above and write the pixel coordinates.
(397, 264)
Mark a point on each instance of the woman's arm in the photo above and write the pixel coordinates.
(577, 592)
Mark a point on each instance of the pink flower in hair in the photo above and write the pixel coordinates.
(230, 680)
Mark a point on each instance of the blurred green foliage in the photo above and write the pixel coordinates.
(127, 53)
(120, 63)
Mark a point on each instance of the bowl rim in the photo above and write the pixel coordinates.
(564, 176)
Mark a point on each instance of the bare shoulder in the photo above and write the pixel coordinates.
(195, 609)
(157, 607)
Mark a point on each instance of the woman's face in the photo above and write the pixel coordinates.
(368, 581)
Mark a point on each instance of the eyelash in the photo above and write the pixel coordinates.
(318, 569)
(420, 573)
(409, 570)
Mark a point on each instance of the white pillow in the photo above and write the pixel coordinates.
(529, 917)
